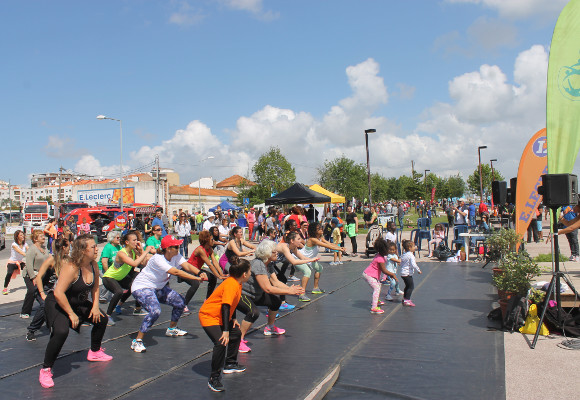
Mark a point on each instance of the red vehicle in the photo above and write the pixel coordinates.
(106, 218)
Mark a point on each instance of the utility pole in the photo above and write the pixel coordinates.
(157, 179)
(412, 169)
(10, 199)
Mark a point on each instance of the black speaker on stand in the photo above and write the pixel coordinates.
(499, 192)
(558, 190)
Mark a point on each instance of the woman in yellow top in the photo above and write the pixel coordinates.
(217, 316)
(121, 274)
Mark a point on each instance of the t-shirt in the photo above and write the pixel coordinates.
(119, 271)
(373, 270)
(207, 224)
(252, 288)
(14, 255)
(199, 218)
(390, 236)
(471, 209)
(109, 251)
(157, 221)
(155, 275)
(391, 265)
(228, 292)
(336, 236)
(350, 218)
(153, 241)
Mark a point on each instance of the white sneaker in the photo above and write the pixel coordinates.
(138, 346)
(389, 297)
(339, 262)
(400, 292)
(173, 332)
(333, 263)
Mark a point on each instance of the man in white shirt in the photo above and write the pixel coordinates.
(209, 222)
(460, 213)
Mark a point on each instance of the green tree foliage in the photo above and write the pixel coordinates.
(272, 172)
(473, 179)
(414, 187)
(380, 188)
(345, 177)
(456, 186)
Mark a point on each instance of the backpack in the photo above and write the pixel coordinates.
(442, 252)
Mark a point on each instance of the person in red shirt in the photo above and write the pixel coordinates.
(217, 317)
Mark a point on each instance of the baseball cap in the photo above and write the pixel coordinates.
(169, 241)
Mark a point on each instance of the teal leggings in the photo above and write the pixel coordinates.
(306, 269)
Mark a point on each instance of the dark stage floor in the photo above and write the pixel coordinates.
(440, 349)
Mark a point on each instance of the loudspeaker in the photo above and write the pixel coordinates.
(559, 190)
(499, 192)
(511, 197)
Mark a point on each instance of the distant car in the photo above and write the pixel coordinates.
(2, 241)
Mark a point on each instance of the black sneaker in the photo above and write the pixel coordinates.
(215, 385)
(30, 336)
(234, 368)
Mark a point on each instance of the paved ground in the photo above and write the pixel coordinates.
(523, 365)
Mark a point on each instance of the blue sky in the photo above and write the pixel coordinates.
(230, 78)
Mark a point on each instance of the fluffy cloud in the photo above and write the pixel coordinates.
(62, 147)
(255, 7)
(486, 109)
(186, 15)
(521, 8)
(90, 165)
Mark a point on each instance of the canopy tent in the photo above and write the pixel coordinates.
(298, 194)
(334, 198)
(225, 206)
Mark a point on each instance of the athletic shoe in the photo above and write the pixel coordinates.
(118, 310)
(98, 355)
(112, 320)
(400, 292)
(293, 279)
(389, 297)
(274, 330)
(339, 262)
(30, 336)
(333, 263)
(244, 348)
(139, 312)
(25, 316)
(173, 332)
(186, 311)
(45, 378)
(268, 313)
(408, 303)
(303, 297)
(377, 310)
(233, 368)
(317, 291)
(287, 307)
(137, 346)
(5, 291)
(215, 385)
(380, 303)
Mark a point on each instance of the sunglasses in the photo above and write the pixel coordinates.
(173, 247)
(156, 230)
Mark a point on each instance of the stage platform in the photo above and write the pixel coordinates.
(440, 349)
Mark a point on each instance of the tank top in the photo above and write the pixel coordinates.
(196, 260)
(229, 252)
(79, 291)
(309, 252)
(118, 271)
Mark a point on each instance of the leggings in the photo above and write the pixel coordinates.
(150, 299)
(250, 230)
(116, 287)
(354, 244)
(376, 286)
(247, 305)
(306, 269)
(280, 274)
(10, 268)
(409, 286)
(31, 294)
(220, 353)
(59, 325)
(193, 286)
(211, 283)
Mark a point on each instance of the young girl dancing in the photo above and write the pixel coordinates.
(392, 261)
(408, 267)
(372, 274)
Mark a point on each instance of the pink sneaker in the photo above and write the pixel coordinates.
(244, 341)
(377, 310)
(380, 303)
(408, 303)
(45, 378)
(274, 330)
(244, 348)
(98, 355)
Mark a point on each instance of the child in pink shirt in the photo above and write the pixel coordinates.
(372, 274)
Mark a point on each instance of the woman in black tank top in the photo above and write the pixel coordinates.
(70, 304)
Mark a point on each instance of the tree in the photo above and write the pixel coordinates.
(456, 186)
(415, 189)
(272, 173)
(46, 198)
(343, 176)
(379, 188)
(473, 179)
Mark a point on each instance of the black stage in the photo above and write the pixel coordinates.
(440, 349)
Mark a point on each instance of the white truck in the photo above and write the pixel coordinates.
(36, 215)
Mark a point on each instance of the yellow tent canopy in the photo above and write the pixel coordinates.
(334, 198)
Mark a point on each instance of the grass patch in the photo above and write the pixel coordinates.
(548, 258)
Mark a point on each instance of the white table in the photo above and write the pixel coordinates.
(466, 237)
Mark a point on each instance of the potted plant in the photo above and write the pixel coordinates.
(500, 243)
(518, 270)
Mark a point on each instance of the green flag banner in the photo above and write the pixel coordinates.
(563, 92)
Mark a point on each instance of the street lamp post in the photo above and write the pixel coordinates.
(425, 181)
(121, 158)
(199, 184)
(492, 174)
(480, 177)
(367, 131)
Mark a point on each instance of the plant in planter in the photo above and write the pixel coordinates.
(518, 271)
(502, 242)
(537, 296)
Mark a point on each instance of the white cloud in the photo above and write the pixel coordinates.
(186, 15)
(521, 8)
(256, 7)
(62, 147)
(486, 109)
(90, 165)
